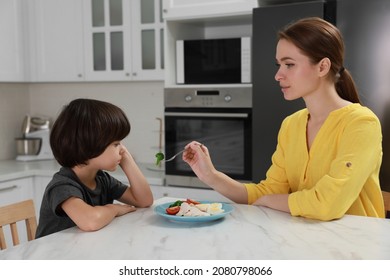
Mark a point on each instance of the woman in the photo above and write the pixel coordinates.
(328, 155)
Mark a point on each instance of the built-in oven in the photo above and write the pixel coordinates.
(219, 118)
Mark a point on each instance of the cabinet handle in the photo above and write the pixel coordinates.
(8, 188)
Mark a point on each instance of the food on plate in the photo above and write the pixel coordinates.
(179, 202)
(190, 210)
(214, 208)
(159, 157)
(176, 203)
(173, 210)
(193, 208)
(191, 201)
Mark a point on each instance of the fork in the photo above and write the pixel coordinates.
(173, 157)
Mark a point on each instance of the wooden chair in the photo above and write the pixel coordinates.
(10, 214)
(386, 199)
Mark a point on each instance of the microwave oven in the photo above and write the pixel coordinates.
(213, 61)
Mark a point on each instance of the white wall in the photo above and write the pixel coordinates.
(14, 105)
(141, 101)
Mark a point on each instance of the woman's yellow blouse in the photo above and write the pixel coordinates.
(340, 173)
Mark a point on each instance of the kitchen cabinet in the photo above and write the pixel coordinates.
(57, 48)
(12, 67)
(31, 187)
(202, 20)
(123, 40)
(16, 190)
(179, 9)
(12, 191)
(148, 40)
(88, 40)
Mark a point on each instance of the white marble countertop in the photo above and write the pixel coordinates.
(249, 232)
(13, 169)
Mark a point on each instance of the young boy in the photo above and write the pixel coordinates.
(85, 140)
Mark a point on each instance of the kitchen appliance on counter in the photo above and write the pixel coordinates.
(218, 117)
(34, 144)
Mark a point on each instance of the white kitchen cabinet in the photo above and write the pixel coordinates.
(12, 66)
(185, 9)
(56, 40)
(148, 40)
(122, 40)
(13, 191)
(16, 190)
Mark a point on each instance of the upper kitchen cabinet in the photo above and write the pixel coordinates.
(202, 19)
(123, 40)
(185, 9)
(56, 46)
(12, 67)
(148, 39)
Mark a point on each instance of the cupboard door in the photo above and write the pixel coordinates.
(107, 40)
(123, 40)
(16, 190)
(12, 41)
(148, 40)
(58, 46)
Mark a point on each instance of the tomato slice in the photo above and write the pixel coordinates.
(173, 210)
(191, 201)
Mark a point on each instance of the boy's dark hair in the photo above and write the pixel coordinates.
(84, 129)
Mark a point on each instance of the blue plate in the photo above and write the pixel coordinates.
(161, 210)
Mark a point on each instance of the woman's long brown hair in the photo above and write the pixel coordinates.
(318, 39)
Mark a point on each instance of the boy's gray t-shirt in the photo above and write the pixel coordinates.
(64, 185)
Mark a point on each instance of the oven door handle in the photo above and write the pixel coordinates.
(208, 115)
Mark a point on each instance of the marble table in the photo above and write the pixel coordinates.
(249, 232)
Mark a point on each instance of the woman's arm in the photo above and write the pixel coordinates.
(274, 201)
(139, 193)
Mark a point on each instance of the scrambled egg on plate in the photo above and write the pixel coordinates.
(203, 209)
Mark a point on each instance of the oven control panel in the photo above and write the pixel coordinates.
(195, 97)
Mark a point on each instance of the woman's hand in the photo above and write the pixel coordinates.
(198, 158)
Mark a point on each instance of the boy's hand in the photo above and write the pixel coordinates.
(123, 209)
(126, 156)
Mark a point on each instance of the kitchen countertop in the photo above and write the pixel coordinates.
(13, 169)
(248, 233)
